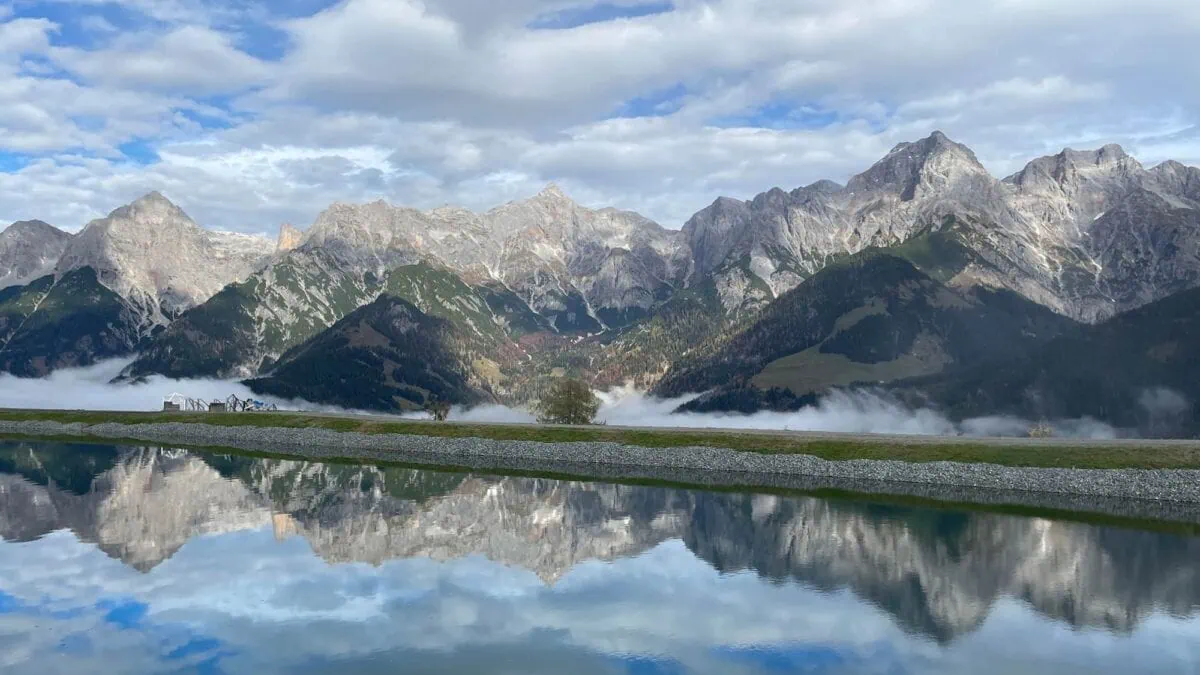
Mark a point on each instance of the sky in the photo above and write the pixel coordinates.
(252, 114)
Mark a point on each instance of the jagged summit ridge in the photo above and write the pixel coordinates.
(29, 249)
(586, 267)
(155, 256)
(935, 162)
(1033, 231)
(1086, 233)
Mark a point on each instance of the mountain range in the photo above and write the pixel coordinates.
(921, 266)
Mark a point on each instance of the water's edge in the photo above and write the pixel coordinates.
(1133, 493)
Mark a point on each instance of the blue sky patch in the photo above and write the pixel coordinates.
(598, 13)
(656, 104)
(84, 26)
(262, 41)
(782, 115)
(138, 151)
(11, 162)
(222, 120)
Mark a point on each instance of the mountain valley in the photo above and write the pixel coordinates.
(912, 276)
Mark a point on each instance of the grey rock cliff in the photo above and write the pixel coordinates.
(157, 258)
(580, 266)
(29, 249)
(1087, 233)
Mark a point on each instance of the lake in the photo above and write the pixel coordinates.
(150, 560)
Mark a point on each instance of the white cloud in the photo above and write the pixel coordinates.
(89, 389)
(25, 36)
(457, 101)
(188, 59)
(859, 412)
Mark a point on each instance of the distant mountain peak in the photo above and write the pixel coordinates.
(289, 238)
(29, 249)
(1106, 154)
(553, 192)
(153, 197)
(1064, 166)
(32, 226)
(903, 168)
(825, 186)
(1170, 165)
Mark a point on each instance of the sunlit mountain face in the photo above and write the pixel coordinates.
(124, 559)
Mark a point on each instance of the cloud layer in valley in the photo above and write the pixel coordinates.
(250, 114)
(89, 389)
(849, 412)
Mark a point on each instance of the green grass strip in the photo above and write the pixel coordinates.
(1017, 452)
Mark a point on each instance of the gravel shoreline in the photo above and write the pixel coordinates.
(703, 465)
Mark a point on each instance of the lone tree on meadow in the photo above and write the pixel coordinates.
(568, 402)
(438, 409)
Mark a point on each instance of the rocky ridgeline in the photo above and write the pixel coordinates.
(1087, 234)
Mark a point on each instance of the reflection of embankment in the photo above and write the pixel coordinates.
(937, 572)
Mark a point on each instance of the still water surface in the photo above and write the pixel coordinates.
(148, 560)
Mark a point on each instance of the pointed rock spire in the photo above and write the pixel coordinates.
(904, 167)
(289, 238)
(552, 191)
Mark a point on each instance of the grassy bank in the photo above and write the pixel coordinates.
(1011, 452)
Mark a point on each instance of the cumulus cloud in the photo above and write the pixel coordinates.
(191, 59)
(479, 104)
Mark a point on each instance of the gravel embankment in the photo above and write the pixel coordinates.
(704, 465)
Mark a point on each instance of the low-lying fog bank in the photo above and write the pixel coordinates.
(840, 411)
(860, 412)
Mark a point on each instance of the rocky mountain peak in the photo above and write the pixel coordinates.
(29, 249)
(156, 257)
(824, 186)
(552, 191)
(152, 210)
(1171, 166)
(33, 228)
(935, 161)
(1179, 179)
(552, 198)
(1072, 166)
(153, 197)
(289, 238)
(774, 197)
(1106, 157)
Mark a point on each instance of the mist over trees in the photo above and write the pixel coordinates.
(568, 402)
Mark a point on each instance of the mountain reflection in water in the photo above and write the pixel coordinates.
(241, 564)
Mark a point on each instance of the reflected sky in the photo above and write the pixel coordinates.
(145, 560)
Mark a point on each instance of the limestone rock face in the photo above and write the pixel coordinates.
(289, 238)
(1086, 233)
(157, 258)
(29, 249)
(582, 268)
